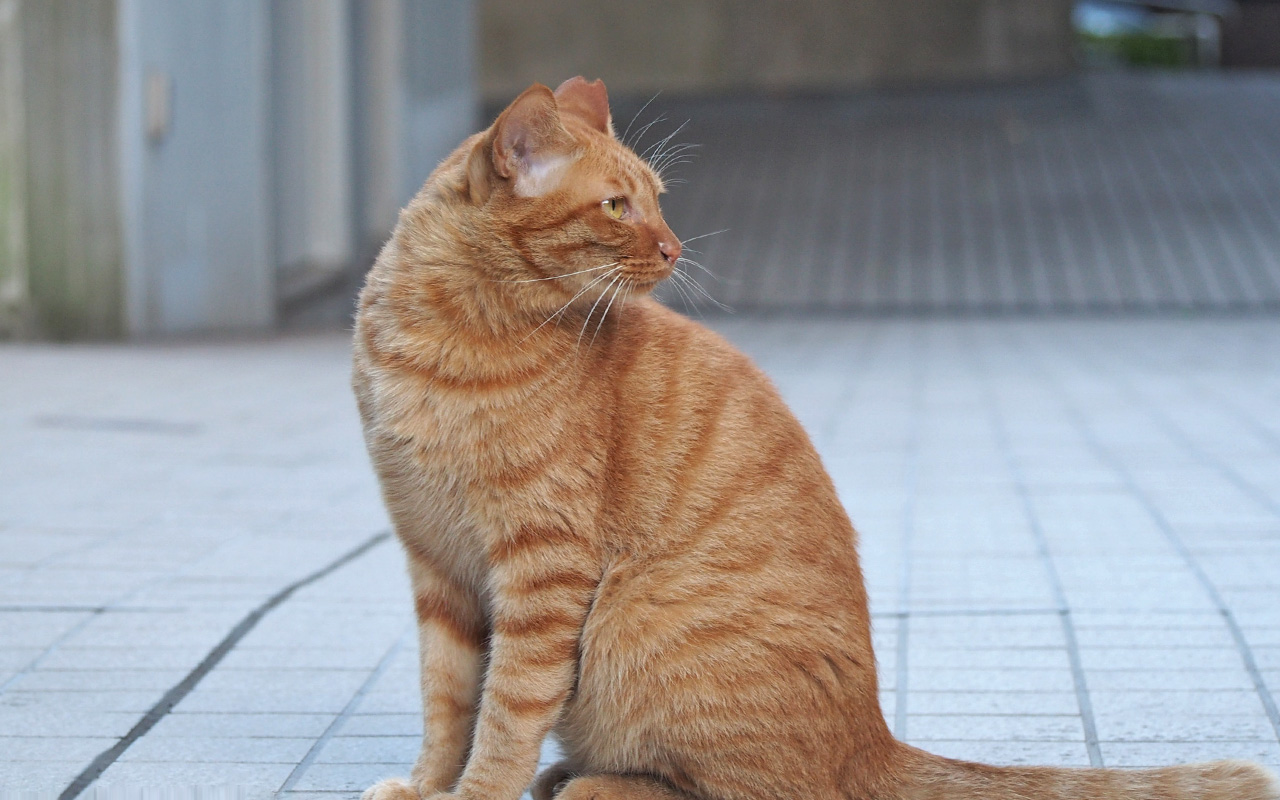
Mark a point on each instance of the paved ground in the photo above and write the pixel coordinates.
(1071, 531)
(1102, 191)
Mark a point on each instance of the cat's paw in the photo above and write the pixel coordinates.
(551, 780)
(391, 789)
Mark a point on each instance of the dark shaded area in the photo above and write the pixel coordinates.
(1104, 192)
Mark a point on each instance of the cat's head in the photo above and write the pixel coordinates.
(575, 203)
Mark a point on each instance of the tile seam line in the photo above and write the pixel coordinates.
(1078, 680)
(903, 628)
(336, 725)
(1243, 648)
(1178, 433)
(180, 690)
(116, 605)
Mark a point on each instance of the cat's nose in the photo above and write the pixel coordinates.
(670, 250)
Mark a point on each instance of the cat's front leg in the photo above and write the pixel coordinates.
(544, 580)
(451, 636)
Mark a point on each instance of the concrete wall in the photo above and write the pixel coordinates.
(196, 148)
(311, 107)
(699, 46)
(75, 246)
(14, 292)
(415, 100)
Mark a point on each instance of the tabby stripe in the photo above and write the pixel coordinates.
(537, 622)
(525, 705)
(435, 607)
(529, 538)
(559, 579)
(390, 360)
(688, 472)
(549, 652)
(441, 702)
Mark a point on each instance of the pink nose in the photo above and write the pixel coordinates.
(670, 251)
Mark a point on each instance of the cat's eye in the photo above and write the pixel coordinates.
(615, 207)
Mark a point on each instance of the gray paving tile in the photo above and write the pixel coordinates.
(348, 777)
(1067, 754)
(235, 749)
(1061, 702)
(19, 749)
(1093, 206)
(254, 780)
(907, 413)
(42, 779)
(42, 680)
(1155, 754)
(1135, 726)
(370, 750)
(304, 726)
(995, 728)
(399, 724)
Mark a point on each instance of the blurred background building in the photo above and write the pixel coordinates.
(203, 164)
(199, 165)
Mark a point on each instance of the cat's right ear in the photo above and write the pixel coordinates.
(528, 146)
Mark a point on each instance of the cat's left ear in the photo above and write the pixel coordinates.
(527, 146)
(587, 101)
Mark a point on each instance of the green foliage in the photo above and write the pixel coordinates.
(1139, 49)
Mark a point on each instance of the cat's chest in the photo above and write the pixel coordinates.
(429, 454)
(474, 454)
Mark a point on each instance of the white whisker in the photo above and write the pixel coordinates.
(640, 133)
(684, 260)
(558, 277)
(587, 321)
(677, 154)
(699, 287)
(638, 113)
(657, 146)
(597, 279)
(685, 299)
(600, 324)
(702, 236)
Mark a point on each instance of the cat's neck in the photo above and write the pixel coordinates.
(460, 324)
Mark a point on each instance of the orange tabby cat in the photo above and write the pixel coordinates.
(614, 527)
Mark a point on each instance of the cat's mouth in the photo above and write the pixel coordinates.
(647, 278)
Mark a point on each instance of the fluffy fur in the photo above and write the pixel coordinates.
(615, 528)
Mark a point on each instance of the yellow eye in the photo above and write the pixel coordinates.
(615, 207)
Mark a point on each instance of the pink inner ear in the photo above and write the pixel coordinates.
(586, 101)
(527, 131)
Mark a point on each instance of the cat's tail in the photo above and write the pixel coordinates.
(930, 777)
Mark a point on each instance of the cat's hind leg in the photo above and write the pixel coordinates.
(618, 787)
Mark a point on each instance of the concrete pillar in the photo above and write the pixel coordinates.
(15, 299)
(379, 116)
(74, 241)
(415, 99)
(311, 108)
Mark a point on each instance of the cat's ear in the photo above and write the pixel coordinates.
(587, 101)
(530, 146)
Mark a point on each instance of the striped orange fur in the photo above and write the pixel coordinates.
(614, 527)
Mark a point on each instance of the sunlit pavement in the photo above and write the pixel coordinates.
(1070, 529)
